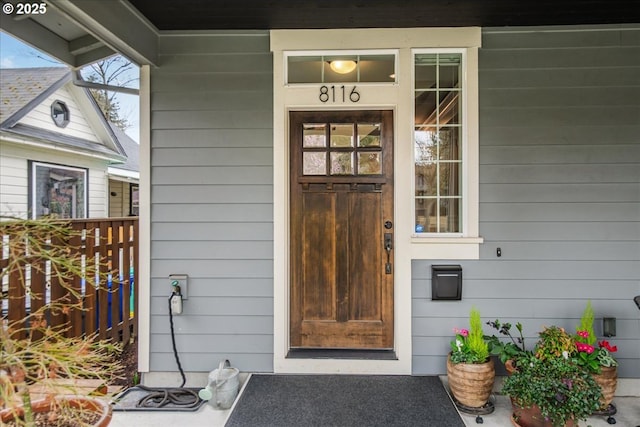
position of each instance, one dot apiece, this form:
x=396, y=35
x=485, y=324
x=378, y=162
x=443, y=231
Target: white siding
x=78, y=126
x=14, y=175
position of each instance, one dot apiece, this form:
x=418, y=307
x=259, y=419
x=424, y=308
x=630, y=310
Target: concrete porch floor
x=628, y=415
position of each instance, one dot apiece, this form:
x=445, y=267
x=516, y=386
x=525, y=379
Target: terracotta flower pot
x=607, y=379
x=471, y=383
x=80, y=402
x=510, y=366
x=531, y=417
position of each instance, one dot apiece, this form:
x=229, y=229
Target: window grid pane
x=350, y=149
x=437, y=143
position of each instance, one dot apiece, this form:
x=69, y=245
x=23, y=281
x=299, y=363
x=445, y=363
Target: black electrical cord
x=178, y=397
x=173, y=338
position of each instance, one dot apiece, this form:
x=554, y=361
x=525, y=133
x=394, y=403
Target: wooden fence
x=107, y=308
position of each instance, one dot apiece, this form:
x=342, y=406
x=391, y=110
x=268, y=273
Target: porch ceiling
x=315, y=14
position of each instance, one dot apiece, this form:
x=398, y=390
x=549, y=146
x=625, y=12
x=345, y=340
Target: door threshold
x=321, y=353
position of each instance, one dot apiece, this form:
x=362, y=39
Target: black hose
x=178, y=397
x=160, y=397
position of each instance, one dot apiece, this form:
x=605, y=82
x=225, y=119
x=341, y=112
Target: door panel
x=341, y=196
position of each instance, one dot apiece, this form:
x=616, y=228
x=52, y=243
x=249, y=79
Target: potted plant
x=470, y=370
x=509, y=352
x=35, y=355
x=549, y=388
x=599, y=361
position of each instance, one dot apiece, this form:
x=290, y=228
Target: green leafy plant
x=605, y=356
x=561, y=389
x=554, y=342
x=554, y=379
x=470, y=346
x=514, y=349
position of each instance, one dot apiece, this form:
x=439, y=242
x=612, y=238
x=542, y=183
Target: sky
x=15, y=54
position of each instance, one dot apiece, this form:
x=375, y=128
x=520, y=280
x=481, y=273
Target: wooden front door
x=341, y=230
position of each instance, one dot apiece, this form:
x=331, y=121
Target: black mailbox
x=446, y=282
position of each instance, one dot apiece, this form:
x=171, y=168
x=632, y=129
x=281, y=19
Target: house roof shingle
x=20, y=86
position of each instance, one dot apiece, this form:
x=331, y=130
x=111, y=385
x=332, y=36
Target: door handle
x=388, y=245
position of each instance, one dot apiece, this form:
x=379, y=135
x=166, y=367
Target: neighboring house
x=124, y=179
x=308, y=204
x=56, y=148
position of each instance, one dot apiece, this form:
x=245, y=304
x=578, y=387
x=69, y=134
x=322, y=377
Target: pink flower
x=462, y=332
x=585, y=348
x=583, y=334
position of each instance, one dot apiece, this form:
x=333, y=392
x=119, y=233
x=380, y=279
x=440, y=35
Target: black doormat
x=343, y=400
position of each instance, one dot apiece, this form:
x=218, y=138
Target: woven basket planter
x=607, y=379
x=471, y=383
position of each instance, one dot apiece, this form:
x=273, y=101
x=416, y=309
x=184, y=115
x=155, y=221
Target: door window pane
x=368, y=134
x=370, y=163
x=341, y=135
x=341, y=163
x=314, y=135
x=314, y=163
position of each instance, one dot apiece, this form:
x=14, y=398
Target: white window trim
x=32, y=185
x=464, y=245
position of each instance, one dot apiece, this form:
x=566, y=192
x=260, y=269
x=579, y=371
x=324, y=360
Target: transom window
x=333, y=149
x=438, y=142
x=341, y=68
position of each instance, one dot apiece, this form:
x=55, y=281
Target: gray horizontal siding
x=223, y=212
x=212, y=203
x=566, y=133
x=559, y=192
x=208, y=138
x=218, y=325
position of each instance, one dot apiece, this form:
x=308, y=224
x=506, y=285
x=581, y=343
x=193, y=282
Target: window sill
x=449, y=247
x=431, y=239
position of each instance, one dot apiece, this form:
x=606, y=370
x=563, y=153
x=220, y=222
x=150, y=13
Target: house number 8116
x=328, y=93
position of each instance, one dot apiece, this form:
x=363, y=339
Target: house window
x=438, y=142
x=57, y=191
x=60, y=113
x=134, y=199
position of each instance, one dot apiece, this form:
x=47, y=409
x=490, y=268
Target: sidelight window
x=438, y=130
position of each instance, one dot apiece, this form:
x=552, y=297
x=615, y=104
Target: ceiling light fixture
x=343, y=67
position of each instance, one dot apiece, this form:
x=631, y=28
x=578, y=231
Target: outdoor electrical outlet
x=179, y=280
